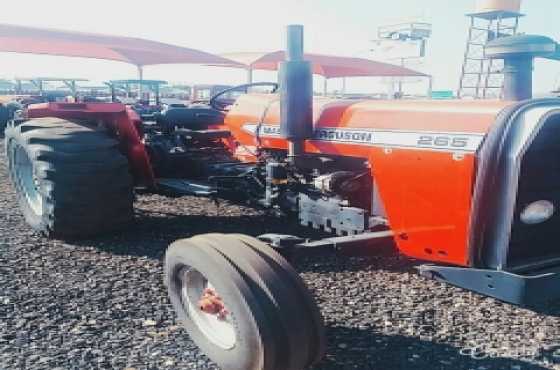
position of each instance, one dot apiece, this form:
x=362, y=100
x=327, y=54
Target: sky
x=339, y=27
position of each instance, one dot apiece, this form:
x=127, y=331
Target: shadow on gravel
x=153, y=231
x=364, y=349
x=550, y=309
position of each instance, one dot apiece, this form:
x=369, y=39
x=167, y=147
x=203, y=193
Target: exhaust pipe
x=518, y=53
x=296, y=94
x=518, y=78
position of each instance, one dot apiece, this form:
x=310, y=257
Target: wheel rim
x=26, y=181
x=219, y=331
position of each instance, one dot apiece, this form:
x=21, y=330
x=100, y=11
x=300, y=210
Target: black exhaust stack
x=296, y=94
x=518, y=53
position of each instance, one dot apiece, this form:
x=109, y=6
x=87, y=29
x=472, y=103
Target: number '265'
x=443, y=141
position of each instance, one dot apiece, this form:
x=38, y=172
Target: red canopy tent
x=328, y=66
x=140, y=52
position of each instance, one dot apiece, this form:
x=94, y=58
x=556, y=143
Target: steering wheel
x=222, y=106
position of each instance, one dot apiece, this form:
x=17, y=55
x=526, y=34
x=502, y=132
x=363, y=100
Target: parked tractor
x=33, y=90
x=471, y=187
x=143, y=95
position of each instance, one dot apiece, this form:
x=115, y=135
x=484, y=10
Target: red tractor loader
x=471, y=187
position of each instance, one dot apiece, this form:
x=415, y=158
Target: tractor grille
x=539, y=179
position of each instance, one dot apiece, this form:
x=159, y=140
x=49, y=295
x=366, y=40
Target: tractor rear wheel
x=71, y=180
x=270, y=302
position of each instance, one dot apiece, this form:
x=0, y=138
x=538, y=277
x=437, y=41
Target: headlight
x=537, y=212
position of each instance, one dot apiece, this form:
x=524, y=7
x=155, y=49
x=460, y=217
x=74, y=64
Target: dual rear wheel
x=263, y=316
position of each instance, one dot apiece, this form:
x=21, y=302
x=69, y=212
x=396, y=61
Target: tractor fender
x=119, y=118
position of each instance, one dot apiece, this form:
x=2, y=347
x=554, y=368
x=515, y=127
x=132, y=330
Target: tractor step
x=180, y=187
x=529, y=289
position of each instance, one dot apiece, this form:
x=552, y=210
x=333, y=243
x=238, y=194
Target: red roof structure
x=328, y=66
x=140, y=52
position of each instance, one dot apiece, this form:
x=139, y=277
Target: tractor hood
x=422, y=155
x=255, y=120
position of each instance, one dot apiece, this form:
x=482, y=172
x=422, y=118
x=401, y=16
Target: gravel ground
x=101, y=304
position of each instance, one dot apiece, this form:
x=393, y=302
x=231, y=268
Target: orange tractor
x=471, y=187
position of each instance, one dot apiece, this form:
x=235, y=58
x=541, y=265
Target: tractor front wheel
x=242, y=304
x=71, y=181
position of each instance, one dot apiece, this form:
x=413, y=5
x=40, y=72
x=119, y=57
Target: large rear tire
x=272, y=300
x=71, y=180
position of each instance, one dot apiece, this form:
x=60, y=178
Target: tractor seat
x=195, y=118
x=203, y=134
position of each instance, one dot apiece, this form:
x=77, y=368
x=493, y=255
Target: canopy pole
x=250, y=75
x=73, y=88
x=40, y=86
x=430, y=86
x=141, y=78
x=157, y=94
x=391, y=88
x=400, y=95
x=325, y=86
x=113, y=95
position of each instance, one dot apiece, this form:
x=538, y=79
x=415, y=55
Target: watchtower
x=482, y=77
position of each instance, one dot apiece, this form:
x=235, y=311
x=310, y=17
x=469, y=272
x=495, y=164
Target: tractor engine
x=330, y=194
